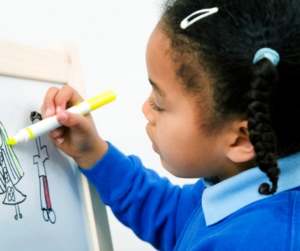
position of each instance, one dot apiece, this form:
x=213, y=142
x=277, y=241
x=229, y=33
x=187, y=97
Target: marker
x=46, y=125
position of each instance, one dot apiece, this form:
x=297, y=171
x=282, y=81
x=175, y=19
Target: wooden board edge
x=30, y=62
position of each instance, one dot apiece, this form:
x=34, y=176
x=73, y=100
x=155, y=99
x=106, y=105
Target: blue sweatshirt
x=208, y=215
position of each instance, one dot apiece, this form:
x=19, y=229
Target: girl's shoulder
x=268, y=224
x=276, y=218
x=278, y=207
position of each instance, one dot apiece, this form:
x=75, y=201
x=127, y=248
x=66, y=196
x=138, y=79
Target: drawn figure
x=40, y=160
x=10, y=174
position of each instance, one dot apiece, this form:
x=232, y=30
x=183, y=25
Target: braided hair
x=259, y=121
x=223, y=45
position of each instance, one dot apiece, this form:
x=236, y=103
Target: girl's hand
x=78, y=138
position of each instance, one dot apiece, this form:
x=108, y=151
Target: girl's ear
x=240, y=148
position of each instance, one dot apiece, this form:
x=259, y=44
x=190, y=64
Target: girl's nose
x=148, y=112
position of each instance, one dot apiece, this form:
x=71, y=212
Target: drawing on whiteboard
x=40, y=160
x=10, y=174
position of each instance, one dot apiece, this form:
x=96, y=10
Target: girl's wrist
x=88, y=159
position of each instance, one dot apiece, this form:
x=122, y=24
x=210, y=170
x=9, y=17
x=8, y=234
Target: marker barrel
x=51, y=123
x=46, y=125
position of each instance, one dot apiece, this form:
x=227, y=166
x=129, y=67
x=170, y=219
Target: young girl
x=224, y=107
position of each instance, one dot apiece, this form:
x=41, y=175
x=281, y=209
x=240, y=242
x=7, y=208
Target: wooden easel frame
x=60, y=64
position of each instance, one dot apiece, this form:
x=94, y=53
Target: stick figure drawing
x=39, y=160
x=10, y=174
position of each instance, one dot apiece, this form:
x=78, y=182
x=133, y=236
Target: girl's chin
x=169, y=169
x=179, y=173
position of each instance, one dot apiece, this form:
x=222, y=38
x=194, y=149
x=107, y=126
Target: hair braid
x=263, y=139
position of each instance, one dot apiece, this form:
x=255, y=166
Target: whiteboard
x=42, y=201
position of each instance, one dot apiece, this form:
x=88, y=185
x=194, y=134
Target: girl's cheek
x=164, y=140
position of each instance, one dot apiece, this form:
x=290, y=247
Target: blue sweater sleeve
x=150, y=205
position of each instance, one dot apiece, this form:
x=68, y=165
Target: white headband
x=185, y=23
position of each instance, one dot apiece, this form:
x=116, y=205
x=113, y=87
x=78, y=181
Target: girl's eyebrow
x=157, y=89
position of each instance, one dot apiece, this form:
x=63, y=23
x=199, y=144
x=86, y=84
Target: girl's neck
x=235, y=169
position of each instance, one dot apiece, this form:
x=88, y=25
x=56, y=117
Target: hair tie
x=186, y=23
x=268, y=53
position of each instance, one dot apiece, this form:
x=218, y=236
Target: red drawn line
x=46, y=190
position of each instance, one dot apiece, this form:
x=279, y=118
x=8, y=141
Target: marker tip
x=12, y=141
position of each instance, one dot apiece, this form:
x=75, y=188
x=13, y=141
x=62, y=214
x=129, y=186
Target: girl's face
x=173, y=126
x=173, y=118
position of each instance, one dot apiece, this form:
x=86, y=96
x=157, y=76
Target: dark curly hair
x=223, y=46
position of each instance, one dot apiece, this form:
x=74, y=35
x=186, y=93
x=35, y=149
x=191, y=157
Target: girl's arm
x=151, y=206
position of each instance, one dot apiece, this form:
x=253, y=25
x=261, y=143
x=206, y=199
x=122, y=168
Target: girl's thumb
x=76, y=122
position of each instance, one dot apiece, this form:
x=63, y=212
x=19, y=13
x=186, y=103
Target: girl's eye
x=154, y=106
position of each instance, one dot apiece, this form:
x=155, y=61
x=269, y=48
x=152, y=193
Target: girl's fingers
x=59, y=140
x=55, y=102
x=48, y=108
x=59, y=132
x=76, y=122
x=43, y=111
x=66, y=97
x=59, y=99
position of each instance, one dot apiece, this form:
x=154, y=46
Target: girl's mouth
x=155, y=148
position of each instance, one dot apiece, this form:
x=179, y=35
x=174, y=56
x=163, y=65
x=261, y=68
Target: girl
x=223, y=107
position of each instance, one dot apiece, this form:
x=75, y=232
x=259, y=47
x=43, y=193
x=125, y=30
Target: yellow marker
x=46, y=125
x=101, y=100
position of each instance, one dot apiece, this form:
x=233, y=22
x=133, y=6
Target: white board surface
x=26, y=224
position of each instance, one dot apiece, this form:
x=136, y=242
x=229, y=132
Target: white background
x=111, y=37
